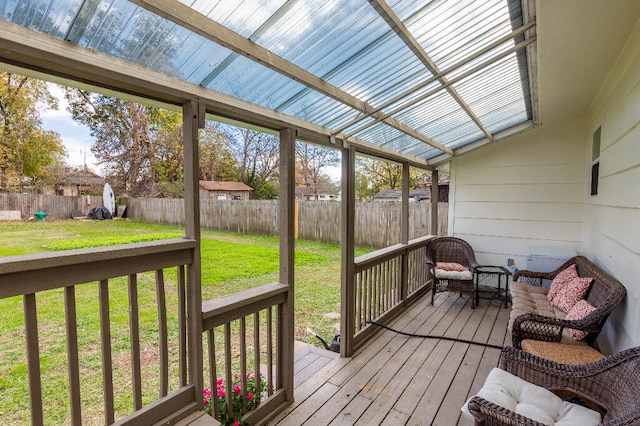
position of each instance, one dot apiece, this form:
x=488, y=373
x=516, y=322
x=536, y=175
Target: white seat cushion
x=532, y=401
x=453, y=275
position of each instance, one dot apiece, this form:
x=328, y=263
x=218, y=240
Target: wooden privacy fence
x=56, y=206
x=377, y=224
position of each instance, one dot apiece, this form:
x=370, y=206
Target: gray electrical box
x=546, y=259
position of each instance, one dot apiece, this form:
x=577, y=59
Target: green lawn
x=230, y=263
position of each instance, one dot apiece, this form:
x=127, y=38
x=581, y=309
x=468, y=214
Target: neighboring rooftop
x=212, y=185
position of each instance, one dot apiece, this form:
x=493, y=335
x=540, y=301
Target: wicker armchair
x=610, y=386
x=604, y=294
x=451, y=249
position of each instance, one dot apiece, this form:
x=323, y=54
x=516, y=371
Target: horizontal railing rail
x=385, y=282
x=149, y=280
x=245, y=368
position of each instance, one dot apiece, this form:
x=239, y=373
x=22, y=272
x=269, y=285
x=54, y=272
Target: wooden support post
x=286, y=231
x=435, y=196
x=404, y=232
x=192, y=119
x=347, y=245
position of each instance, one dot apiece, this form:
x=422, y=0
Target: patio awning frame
x=37, y=53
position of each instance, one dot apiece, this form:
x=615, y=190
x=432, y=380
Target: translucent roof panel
x=496, y=93
x=345, y=66
x=49, y=17
x=244, y=17
x=451, y=30
x=129, y=32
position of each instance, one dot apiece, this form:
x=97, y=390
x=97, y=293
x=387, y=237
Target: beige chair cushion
x=532, y=401
x=453, y=275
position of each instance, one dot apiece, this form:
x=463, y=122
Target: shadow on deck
x=400, y=380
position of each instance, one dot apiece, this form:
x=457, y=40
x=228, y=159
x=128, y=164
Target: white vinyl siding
x=522, y=192
x=612, y=218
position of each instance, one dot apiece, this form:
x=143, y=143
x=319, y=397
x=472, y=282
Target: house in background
x=79, y=182
x=214, y=190
x=308, y=194
x=395, y=195
x=423, y=194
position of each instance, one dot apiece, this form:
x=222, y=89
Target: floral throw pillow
x=579, y=311
x=560, y=280
x=450, y=266
x=571, y=293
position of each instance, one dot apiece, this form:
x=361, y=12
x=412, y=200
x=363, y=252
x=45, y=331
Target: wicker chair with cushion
x=607, y=390
x=452, y=263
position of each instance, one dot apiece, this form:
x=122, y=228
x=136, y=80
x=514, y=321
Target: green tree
x=26, y=150
x=373, y=175
x=216, y=160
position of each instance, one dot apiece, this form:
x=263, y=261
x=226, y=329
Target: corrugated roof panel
x=320, y=109
x=129, y=32
x=48, y=17
x=347, y=44
x=450, y=31
x=495, y=91
x=265, y=87
x=256, y=83
x=242, y=16
x=436, y=117
x=388, y=137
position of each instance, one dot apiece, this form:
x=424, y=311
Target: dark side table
x=491, y=270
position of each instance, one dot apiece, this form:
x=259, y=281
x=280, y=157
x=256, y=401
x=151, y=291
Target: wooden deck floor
x=397, y=380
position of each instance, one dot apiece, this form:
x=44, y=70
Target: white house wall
x=522, y=192
x=612, y=218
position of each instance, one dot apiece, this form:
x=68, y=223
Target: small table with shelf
x=499, y=271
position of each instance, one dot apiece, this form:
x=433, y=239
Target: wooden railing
x=152, y=270
x=246, y=350
x=385, y=282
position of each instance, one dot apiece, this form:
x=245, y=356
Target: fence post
x=296, y=219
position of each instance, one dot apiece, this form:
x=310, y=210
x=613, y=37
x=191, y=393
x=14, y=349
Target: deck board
x=396, y=379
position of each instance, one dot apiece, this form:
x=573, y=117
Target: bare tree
x=258, y=159
x=311, y=160
x=139, y=147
